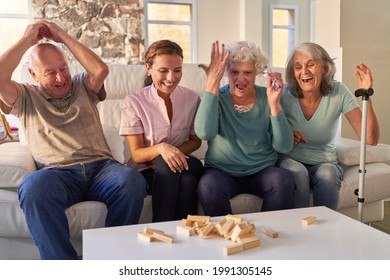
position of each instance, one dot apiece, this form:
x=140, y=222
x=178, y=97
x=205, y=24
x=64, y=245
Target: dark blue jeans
x=216, y=187
x=45, y=194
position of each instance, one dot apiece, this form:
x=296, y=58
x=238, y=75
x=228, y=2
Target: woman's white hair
x=244, y=51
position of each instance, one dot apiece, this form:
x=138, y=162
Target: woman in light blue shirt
x=313, y=103
x=245, y=127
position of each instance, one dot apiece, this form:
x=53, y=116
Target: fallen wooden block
x=240, y=229
x=219, y=226
x=198, y=225
x=163, y=237
x=206, y=230
x=187, y=231
x=145, y=237
x=240, y=238
x=196, y=218
x=234, y=248
x=151, y=231
x=308, y=220
x=270, y=232
x=245, y=244
x=236, y=219
x=227, y=228
x=186, y=223
x=250, y=242
x=154, y=234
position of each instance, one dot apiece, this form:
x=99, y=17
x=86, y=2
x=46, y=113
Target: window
x=14, y=18
x=173, y=20
x=283, y=33
x=286, y=24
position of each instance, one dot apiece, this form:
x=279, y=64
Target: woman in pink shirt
x=158, y=122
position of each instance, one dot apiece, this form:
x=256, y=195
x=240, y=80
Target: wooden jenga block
x=270, y=232
x=250, y=242
x=308, y=220
x=163, y=237
x=187, y=231
x=199, y=224
x=158, y=234
x=240, y=229
x=196, y=218
x=236, y=219
x=145, y=237
x=244, y=236
x=227, y=227
x=232, y=249
x=186, y=223
x=219, y=226
x=206, y=230
x=150, y=231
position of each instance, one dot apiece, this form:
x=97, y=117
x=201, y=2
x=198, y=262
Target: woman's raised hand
x=366, y=80
x=216, y=69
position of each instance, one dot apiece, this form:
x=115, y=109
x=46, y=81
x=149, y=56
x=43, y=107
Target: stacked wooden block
x=235, y=228
x=231, y=227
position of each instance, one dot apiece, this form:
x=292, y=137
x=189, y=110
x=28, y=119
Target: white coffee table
x=333, y=237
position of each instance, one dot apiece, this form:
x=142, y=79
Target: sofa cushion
x=376, y=181
x=16, y=163
x=83, y=215
x=115, y=142
x=348, y=152
x=12, y=223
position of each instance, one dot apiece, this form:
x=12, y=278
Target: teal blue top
x=321, y=129
x=241, y=143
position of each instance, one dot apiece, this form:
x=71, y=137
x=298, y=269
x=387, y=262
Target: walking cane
x=365, y=94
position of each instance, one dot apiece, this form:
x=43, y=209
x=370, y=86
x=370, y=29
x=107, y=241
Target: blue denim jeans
x=45, y=194
x=275, y=185
x=324, y=179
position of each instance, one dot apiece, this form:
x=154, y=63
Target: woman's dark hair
x=159, y=48
x=318, y=54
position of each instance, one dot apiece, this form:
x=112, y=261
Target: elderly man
x=64, y=133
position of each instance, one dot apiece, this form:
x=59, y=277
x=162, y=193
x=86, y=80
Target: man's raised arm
x=11, y=59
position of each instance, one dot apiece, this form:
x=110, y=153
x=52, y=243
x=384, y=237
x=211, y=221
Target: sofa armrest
x=348, y=152
x=16, y=163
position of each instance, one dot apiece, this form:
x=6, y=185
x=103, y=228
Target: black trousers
x=174, y=195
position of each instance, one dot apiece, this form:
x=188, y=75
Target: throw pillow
x=348, y=152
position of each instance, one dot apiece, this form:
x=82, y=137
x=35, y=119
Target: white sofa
x=16, y=162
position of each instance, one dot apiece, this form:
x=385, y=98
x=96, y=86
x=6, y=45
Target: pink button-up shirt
x=144, y=112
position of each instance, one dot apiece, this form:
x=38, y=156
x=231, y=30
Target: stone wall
x=111, y=28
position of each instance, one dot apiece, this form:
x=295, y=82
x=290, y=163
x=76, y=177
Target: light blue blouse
x=321, y=129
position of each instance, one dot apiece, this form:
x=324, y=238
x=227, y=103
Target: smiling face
x=308, y=73
x=50, y=70
x=242, y=76
x=166, y=72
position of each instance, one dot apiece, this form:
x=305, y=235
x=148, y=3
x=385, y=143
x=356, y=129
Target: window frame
x=12, y=120
x=272, y=27
x=192, y=24
x=27, y=16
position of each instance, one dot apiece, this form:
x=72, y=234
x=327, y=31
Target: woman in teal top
x=313, y=103
x=245, y=128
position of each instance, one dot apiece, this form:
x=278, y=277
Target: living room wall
x=112, y=28
x=360, y=33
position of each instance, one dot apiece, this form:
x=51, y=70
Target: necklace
x=243, y=108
